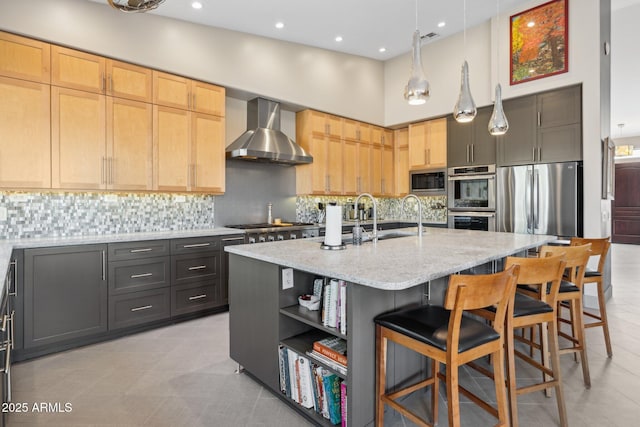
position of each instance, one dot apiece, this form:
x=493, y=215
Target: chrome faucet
x=419, y=210
x=374, y=236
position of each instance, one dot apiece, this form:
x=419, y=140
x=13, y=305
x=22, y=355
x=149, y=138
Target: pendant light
x=417, y=90
x=465, y=109
x=498, y=124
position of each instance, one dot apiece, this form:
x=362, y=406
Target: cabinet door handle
x=429, y=155
x=534, y=153
x=194, y=102
x=135, y=251
x=197, y=297
x=197, y=267
x=468, y=161
x=14, y=264
x=144, y=307
x=103, y=79
x=473, y=153
x=104, y=266
x=196, y=245
x=138, y=276
x=111, y=82
x=539, y=154
x=539, y=119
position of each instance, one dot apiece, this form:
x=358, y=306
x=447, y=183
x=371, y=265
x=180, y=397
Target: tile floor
x=181, y=375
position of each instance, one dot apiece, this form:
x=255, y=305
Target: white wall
x=343, y=84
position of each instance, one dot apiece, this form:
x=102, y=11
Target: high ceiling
x=365, y=26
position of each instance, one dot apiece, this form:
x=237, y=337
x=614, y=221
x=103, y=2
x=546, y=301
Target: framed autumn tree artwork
x=540, y=42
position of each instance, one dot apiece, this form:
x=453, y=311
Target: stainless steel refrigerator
x=540, y=199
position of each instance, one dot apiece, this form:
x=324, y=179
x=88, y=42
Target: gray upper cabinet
x=543, y=128
x=471, y=143
x=65, y=294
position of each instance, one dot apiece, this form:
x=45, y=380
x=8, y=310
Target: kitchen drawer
x=137, y=308
x=191, y=268
x=139, y=275
x=137, y=250
x=196, y=244
x=194, y=297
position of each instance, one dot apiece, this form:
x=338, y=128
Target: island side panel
x=253, y=317
x=363, y=305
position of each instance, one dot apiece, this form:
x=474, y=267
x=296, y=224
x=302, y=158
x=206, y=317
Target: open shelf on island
x=311, y=318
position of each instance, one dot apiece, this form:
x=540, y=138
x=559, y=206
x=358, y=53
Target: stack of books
x=334, y=305
x=312, y=386
x=332, y=351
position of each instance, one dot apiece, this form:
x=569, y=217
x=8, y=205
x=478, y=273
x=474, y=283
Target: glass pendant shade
x=498, y=124
x=417, y=89
x=465, y=109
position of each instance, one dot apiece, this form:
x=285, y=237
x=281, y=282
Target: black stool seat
x=524, y=305
x=591, y=273
x=429, y=324
x=565, y=286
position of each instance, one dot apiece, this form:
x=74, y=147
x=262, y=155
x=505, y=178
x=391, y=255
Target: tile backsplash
x=433, y=207
x=76, y=214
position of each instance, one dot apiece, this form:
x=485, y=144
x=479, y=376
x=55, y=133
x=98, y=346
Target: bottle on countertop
x=270, y=213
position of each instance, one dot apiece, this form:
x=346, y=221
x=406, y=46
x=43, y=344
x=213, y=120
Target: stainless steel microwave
x=429, y=182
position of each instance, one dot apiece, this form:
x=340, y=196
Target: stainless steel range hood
x=263, y=140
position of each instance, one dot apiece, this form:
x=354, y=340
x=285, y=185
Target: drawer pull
x=233, y=239
x=196, y=245
x=144, y=307
x=193, y=298
x=137, y=276
x=197, y=267
x=135, y=251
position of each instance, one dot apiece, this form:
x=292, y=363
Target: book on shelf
x=343, y=403
x=334, y=348
x=292, y=358
x=343, y=307
x=331, y=384
x=334, y=304
x=328, y=362
x=283, y=359
x=306, y=391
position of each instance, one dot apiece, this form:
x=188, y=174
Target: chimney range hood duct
x=263, y=140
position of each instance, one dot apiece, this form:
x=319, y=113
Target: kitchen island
x=383, y=276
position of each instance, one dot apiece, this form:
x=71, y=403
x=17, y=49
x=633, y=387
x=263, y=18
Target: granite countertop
x=398, y=263
x=7, y=246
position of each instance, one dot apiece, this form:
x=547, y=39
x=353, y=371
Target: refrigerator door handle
x=527, y=200
x=536, y=204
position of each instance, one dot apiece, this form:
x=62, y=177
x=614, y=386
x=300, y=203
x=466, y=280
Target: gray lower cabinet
x=237, y=239
x=139, y=283
x=65, y=294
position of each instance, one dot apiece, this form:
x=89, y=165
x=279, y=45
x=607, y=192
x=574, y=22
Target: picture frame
x=608, y=169
x=539, y=42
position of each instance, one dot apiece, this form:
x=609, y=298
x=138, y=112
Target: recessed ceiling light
x=441, y=24
x=279, y=25
x=382, y=49
x=339, y=38
x=531, y=24
x=196, y=5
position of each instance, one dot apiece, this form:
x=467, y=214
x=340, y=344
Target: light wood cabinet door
x=316, y=121
x=334, y=166
x=25, y=143
x=350, y=130
x=350, y=163
x=171, y=142
x=207, y=98
x=77, y=70
x=364, y=168
x=24, y=58
x=387, y=188
x=170, y=90
x=316, y=182
x=207, y=153
x=401, y=162
x=129, y=144
x=418, y=145
x=377, y=135
x=78, y=148
x=388, y=137
x=334, y=126
x=129, y=81
x=376, y=170
x=437, y=143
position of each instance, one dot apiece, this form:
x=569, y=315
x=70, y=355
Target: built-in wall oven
x=471, y=197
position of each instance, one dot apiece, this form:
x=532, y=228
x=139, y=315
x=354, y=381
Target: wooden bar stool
x=599, y=248
x=446, y=335
x=570, y=291
x=529, y=312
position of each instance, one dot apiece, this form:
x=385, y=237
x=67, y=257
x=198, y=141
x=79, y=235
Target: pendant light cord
x=498, y=40
x=416, y=14
x=465, y=28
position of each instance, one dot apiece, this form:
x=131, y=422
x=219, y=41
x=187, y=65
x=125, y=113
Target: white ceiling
x=365, y=26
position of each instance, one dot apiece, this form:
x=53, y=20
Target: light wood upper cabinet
x=381, y=136
x=25, y=148
x=78, y=139
x=351, y=166
x=428, y=144
x=170, y=90
x=77, y=70
x=364, y=168
x=171, y=143
x=129, y=81
x=350, y=129
x=24, y=58
x=382, y=170
x=207, y=153
x=388, y=188
x=179, y=92
x=401, y=161
x=129, y=144
x=334, y=166
x=188, y=151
